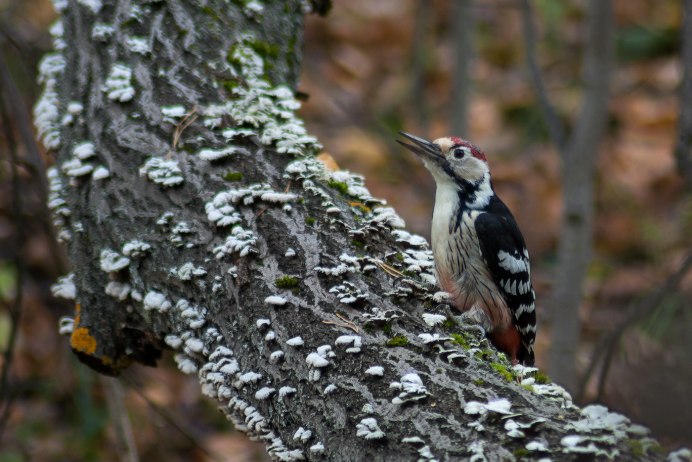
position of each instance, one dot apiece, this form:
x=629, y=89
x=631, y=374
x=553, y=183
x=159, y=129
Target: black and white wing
x=504, y=252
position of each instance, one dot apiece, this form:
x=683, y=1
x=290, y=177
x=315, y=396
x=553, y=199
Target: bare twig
x=170, y=418
x=16, y=308
x=644, y=307
x=22, y=121
x=549, y=114
x=189, y=118
x=118, y=412
x=343, y=322
x=390, y=269
x=33, y=160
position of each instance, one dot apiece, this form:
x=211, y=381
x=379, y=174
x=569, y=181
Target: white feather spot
x=511, y=263
x=524, y=309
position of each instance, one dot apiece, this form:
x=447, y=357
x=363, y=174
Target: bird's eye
x=459, y=153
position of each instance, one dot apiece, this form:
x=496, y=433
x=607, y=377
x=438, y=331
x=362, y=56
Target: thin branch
x=189, y=118
x=343, y=322
x=606, y=346
x=16, y=309
x=642, y=309
x=115, y=397
x=169, y=417
x=22, y=121
x=550, y=116
x=33, y=160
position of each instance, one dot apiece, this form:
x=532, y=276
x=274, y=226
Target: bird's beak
x=422, y=148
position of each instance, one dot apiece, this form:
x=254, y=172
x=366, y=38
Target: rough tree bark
x=198, y=220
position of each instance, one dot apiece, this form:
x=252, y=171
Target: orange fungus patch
x=81, y=340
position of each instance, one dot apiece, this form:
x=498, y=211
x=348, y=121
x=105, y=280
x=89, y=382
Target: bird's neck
x=473, y=194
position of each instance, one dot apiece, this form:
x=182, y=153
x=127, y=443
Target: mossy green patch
x=310, y=221
x=338, y=185
x=460, y=340
x=484, y=354
x=399, y=256
x=230, y=58
x=636, y=447
x=521, y=452
x=230, y=85
x=369, y=327
x=528, y=387
x=387, y=328
x=541, y=377
x=357, y=243
x=654, y=447
x=503, y=371
x=232, y=176
x=286, y=282
x=397, y=341
x=449, y=323
x=479, y=382
x=266, y=49
x=211, y=12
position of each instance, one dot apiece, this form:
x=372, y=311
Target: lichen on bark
x=213, y=199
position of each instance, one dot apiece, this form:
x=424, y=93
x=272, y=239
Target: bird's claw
x=474, y=319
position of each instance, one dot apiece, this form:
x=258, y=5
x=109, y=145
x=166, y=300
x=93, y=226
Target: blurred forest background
x=432, y=68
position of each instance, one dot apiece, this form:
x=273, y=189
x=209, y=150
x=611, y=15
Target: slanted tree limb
x=14, y=307
x=550, y=116
x=198, y=220
x=605, y=351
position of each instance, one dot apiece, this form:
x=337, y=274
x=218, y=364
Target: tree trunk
x=198, y=220
x=579, y=159
x=420, y=51
x=683, y=146
x=462, y=24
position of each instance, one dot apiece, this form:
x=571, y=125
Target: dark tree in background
x=197, y=219
x=684, y=141
x=201, y=226
x=579, y=151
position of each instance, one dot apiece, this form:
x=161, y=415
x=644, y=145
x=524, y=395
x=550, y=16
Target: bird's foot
x=474, y=319
x=418, y=285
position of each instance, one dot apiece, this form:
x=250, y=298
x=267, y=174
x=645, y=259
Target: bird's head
x=450, y=159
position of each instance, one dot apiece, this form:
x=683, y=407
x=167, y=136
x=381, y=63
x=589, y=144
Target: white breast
x=460, y=268
x=446, y=199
